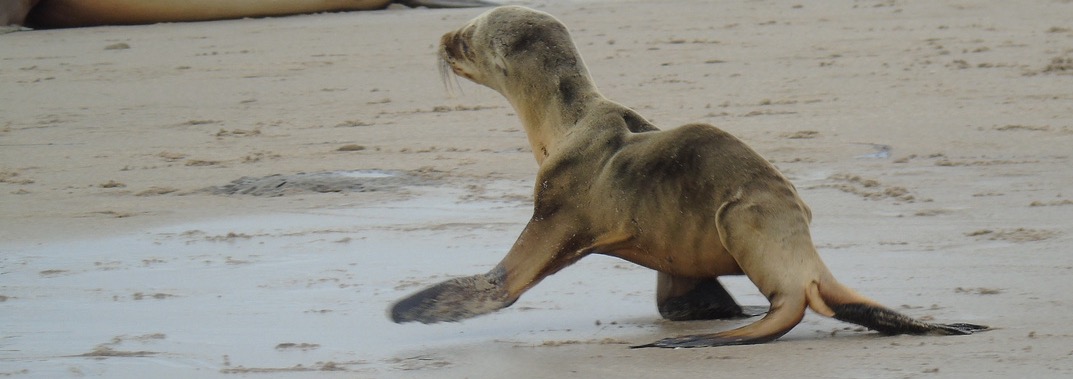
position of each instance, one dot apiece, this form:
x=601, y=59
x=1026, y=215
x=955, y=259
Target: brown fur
x=693, y=203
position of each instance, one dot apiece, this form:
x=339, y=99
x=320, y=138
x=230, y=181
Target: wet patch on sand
x=326, y=182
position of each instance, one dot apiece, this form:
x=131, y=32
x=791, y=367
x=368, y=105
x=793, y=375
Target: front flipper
x=454, y=300
x=545, y=246
x=683, y=299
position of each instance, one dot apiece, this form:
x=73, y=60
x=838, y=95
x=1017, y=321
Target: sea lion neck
x=548, y=109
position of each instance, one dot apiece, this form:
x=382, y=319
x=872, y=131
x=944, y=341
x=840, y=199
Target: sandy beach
x=246, y=198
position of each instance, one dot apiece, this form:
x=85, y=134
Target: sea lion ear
x=499, y=53
x=500, y=63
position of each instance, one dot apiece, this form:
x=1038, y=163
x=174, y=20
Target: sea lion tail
x=832, y=299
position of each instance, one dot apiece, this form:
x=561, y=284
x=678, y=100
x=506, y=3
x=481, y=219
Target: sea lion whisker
x=447, y=76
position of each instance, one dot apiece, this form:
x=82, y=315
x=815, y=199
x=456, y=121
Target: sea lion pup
x=693, y=203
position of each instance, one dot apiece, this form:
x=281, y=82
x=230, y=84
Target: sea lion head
x=510, y=47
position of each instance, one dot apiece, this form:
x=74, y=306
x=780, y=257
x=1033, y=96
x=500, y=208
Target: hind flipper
x=784, y=314
x=889, y=322
x=700, y=340
x=682, y=298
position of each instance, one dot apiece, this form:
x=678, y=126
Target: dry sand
x=931, y=138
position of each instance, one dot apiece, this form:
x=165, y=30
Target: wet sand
x=248, y=197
